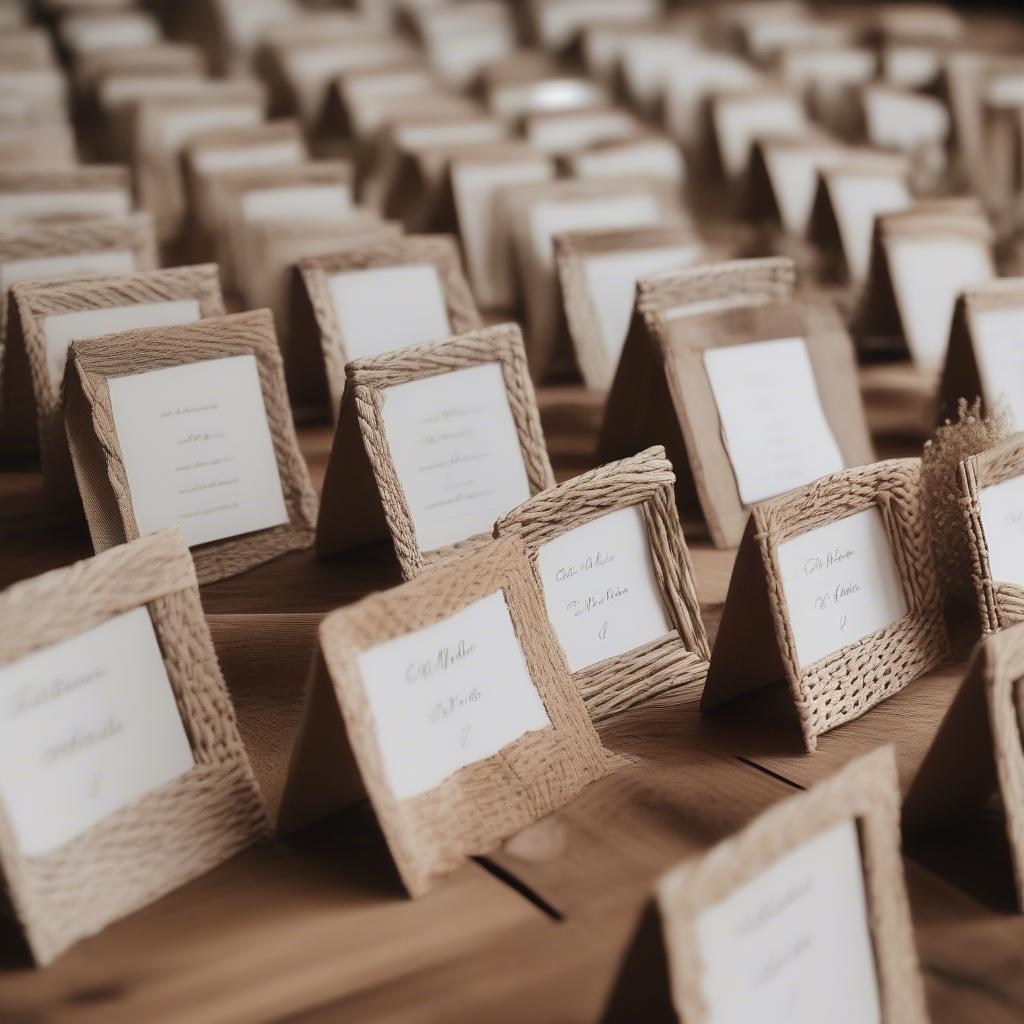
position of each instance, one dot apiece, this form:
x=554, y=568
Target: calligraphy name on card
x=618, y=586
x=800, y=917
x=835, y=591
x=193, y=424
x=122, y=774
x=352, y=298
x=452, y=695
x=433, y=443
x=49, y=314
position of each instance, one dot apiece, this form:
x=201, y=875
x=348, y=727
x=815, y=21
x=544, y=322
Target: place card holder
x=667, y=394
x=96, y=450
x=324, y=362
x=38, y=195
x=907, y=307
x=341, y=751
x=756, y=643
x=364, y=498
x=32, y=416
x=645, y=483
x=590, y=285
x=977, y=752
x=173, y=833
x=662, y=977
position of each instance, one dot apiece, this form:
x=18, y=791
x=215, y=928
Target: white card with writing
x=197, y=449
x=457, y=453
x=87, y=726
x=449, y=695
x=773, y=425
x=600, y=589
x=16, y=207
x=857, y=200
x=1002, y=516
x=297, y=202
x=740, y=120
x=841, y=584
x=60, y=329
x=999, y=352
x=927, y=276
x=386, y=308
x=611, y=284
x=793, y=945
x=40, y=268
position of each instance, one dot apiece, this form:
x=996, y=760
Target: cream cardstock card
x=841, y=584
x=60, y=329
x=857, y=200
x=999, y=352
x=611, y=281
x=457, y=452
x=197, y=449
x=23, y=205
x=296, y=202
x=793, y=944
x=740, y=119
x=449, y=695
x=773, y=425
x=39, y=268
x=1002, y=515
x=385, y=308
x=600, y=589
x=87, y=726
x=927, y=276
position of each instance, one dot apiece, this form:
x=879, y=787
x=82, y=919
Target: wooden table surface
x=316, y=927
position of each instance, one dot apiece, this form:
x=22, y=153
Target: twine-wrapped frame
x=662, y=665
x=477, y=806
x=173, y=833
x=439, y=251
x=866, y=792
x=363, y=497
x=572, y=250
x=98, y=460
x=34, y=402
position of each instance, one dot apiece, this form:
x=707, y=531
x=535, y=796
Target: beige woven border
x=847, y=683
x=181, y=829
x=670, y=662
x=999, y=604
x=572, y=248
x=482, y=803
x=367, y=381
x=35, y=301
x=133, y=352
x=865, y=791
x=438, y=250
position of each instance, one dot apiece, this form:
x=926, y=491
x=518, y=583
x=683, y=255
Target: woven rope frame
x=572, y=248
x=132, y=352
x=75, y=179
x=663, y=665
x=847, y=683
x=1000, y=604
x=369, y=378
x=439, y=251
x=865, y=791
x=484, y=802
x=35, y=301
x=173, y=833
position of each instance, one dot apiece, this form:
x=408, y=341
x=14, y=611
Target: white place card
x=600, y=588
x=611, y=282
x=87, y=726
x=793, y=171
x=999, y=353
x=1002, y=516
x=905, y=120
x=197, y=449
x=21, y=206
x=40, y=268
x=857, y=200
x=449, y=695
x=387, y=308
x=658, y=158
x=296, y=202
x=457, y=452
x=841, y=584
x=740, y=120
x=210, y=159
x=690, y=83
x=793, y=945
x=928, y=274
x=60, y=329
x=773, y=425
